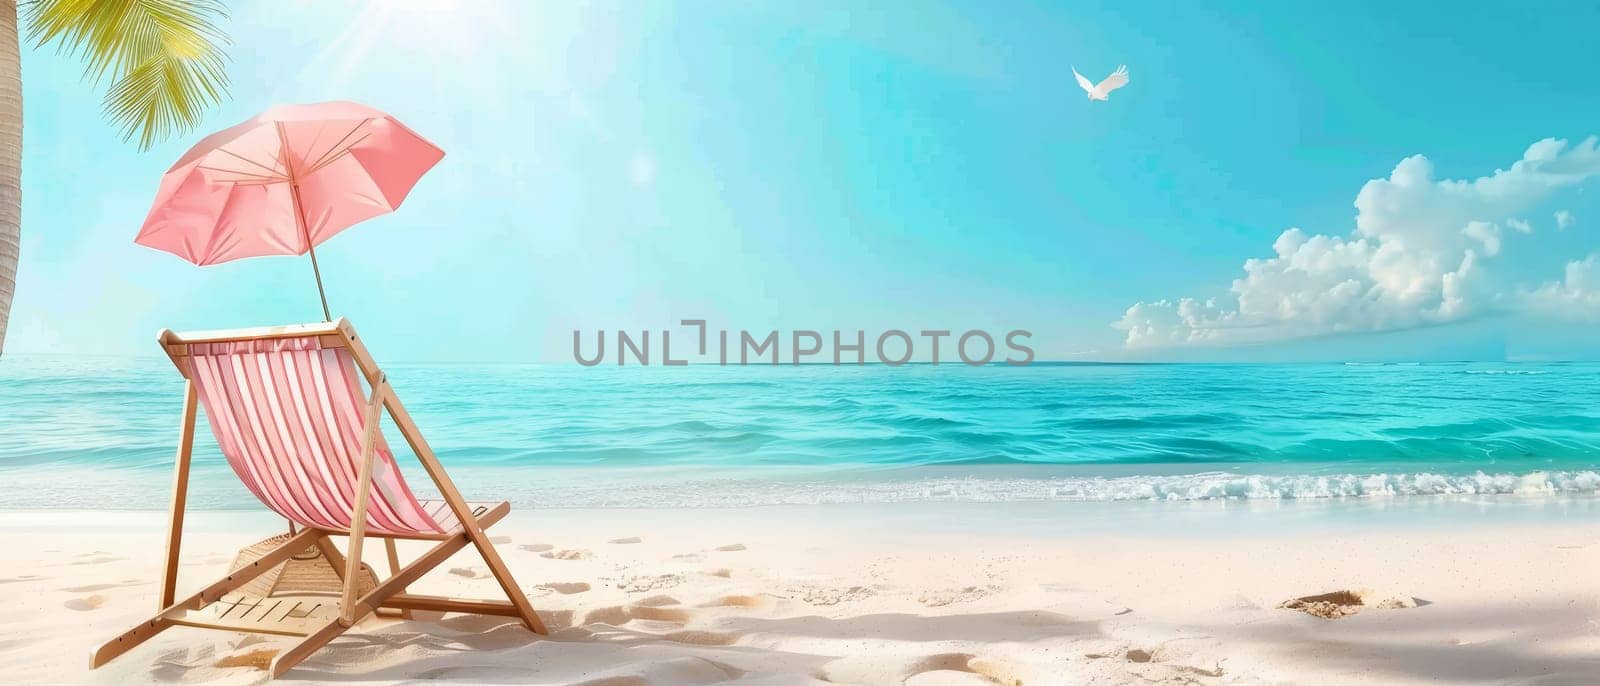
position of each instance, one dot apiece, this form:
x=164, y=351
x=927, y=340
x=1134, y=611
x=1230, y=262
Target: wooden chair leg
x=338, y=563
x=147, y=629
x=335, y=558
x=393, y=552
x=367, y=604
x=525, y=610
x=394, y=555
x=458, y=505
x=287, y=659
x=180, y=496
x=358, y=516
x=127, y=641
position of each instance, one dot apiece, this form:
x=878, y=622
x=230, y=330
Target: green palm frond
x=164, y=57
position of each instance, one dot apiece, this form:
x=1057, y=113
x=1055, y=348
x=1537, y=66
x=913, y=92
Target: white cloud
x=1422, y=253
x=1564, y=219
x=1577, y=296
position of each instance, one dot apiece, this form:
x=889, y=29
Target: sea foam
x=746, y=491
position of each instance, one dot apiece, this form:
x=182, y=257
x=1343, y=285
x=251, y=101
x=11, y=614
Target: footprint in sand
x=942, y=662
x=733, y=548
x=1215, y=671
x=951, y=596
x=260, y=658
x=499, y=540
x=941, y=669
x=566, y=587
x=680, y=670
x=536, y=547
x=1242, y=602
x=618, y=615
x=91, y=588
x=96, y=558
x=615, y=615
x=642, y=584
x=625, y=541
x=561, y=620
x=659, y=614
x=948, y=677
x=995, y=670
x=628, y=680
x=834, y=596
x=470, y=572
x=89, y=602
x=703, y=638
x=569, y=554
x=737, y=601
x=1142, y=656
x=723, y=572
x=1345, y=603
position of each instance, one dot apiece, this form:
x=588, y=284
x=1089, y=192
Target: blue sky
x=905, y=165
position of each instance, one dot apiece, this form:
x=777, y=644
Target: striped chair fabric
x=288, y=414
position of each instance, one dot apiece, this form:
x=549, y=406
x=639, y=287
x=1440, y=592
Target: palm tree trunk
x=10, y=160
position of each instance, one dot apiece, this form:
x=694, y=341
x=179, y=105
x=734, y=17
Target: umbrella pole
x=326, y=316
x=300, y=216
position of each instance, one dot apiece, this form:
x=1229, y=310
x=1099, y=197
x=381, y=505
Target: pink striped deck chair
x=289, y=410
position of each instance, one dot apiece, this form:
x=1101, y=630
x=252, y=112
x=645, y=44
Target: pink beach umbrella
x=284, y=182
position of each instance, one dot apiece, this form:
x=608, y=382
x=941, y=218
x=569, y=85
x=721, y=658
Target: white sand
x=796, y=596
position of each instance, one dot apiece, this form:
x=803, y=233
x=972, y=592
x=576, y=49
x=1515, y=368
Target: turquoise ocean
x=100, y=433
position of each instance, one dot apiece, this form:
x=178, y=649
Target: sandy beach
x=953, y=594
x=783, y=343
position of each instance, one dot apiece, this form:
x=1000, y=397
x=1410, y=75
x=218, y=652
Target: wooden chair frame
x=390, y=594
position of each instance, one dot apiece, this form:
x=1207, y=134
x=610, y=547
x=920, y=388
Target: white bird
x=1117, y=79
